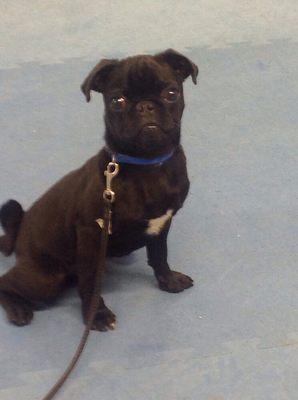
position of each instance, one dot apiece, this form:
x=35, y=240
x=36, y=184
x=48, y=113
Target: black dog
x=58, y=236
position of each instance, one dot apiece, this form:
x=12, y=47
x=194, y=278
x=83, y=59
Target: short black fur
x=58, y=238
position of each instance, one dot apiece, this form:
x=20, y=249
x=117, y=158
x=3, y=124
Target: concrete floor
x=234, y=335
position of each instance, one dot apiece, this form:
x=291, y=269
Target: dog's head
x=144, y=102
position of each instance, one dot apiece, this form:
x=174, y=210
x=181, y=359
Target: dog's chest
x=145, y=203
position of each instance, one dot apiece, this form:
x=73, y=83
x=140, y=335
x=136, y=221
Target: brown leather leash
x=106, y=230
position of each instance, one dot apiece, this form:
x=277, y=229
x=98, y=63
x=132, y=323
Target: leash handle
x=109, y=198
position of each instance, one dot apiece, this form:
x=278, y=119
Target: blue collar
x=125, y=159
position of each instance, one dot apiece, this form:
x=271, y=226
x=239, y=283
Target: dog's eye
x=118, y=103
x=170, y=95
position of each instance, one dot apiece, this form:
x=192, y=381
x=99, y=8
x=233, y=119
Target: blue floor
x=234, y=335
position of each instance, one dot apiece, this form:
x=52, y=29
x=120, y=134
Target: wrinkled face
x=144, y=105
x=143, y=98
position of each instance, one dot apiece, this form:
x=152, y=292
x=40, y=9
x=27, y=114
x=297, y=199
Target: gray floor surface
x=234, y=335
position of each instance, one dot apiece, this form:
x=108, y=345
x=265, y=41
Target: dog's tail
x=11, y=215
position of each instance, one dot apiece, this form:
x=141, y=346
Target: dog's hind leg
x=26, y=285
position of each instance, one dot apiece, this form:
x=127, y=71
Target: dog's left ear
x=98, y=77
x=180, y=64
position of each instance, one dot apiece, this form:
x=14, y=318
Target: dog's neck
x=127, y=159
x=133, y=152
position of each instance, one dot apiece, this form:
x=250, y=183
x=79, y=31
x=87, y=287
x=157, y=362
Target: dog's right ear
x=97, y=77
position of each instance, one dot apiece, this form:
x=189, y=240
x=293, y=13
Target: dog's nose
x=145, y=107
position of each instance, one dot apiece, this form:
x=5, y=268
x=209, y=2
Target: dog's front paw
x=104, y=320
x=175, y=282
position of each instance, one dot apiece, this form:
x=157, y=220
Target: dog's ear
x=97, y=77
x=180, y=64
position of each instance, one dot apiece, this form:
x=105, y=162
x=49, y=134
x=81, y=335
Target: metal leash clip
x=110, y=173
x=108, y=194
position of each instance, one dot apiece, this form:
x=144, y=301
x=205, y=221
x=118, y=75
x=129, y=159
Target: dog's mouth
x=150, y=125
x=151, y=128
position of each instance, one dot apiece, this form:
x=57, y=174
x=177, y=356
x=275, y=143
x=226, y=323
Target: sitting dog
x=58, y=237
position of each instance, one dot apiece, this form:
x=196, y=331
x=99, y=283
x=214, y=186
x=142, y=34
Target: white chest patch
x=156, y=225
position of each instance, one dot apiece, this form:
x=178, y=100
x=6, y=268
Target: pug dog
x=59, y=238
